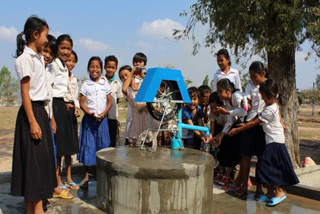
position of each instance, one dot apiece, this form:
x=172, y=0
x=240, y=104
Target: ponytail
x=32, y=25
x=20, y=44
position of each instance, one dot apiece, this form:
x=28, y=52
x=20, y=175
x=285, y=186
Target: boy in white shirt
x=111, y=65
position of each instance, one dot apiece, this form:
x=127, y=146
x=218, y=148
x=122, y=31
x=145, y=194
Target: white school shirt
x=235, y=110
x=232, y=75
x=60, y=78
x=271, y=124
x=257, y=103
x=221, y=119
x=115, y=95
x=49, y=83
x=73, y=91
x=96, y=94
x=30, y=64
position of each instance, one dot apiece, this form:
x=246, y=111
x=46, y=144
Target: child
x=66, y=146
x=252, y=140
x=226, y=71
x=124, y=72
x=94, y=133
x=274, y=167
x=50, y=53
x=232, y=98
x=205, y=92
x=33, y=159
x=111, y=66
x=192, y=114
x=73, y=111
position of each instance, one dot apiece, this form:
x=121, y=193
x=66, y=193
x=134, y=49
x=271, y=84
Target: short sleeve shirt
x=232, y=75
x=115, y=95
x=271, y=124
x=31, y=64
x=257, y=103
x=96, y=94
x=188, y=115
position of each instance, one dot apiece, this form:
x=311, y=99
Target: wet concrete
x=137, y=181
x=85, y=202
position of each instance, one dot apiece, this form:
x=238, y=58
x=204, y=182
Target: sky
x=123, y=28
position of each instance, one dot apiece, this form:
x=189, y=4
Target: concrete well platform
x=130, y=180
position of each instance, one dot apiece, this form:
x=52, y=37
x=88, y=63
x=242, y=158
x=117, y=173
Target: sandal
x=72, y=186
x=84, y=184
x=63, y=194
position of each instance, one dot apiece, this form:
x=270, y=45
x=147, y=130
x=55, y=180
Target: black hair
x=64, y=37
x=140, y=57
x=95, y=58
x=193, y=91
x=269, y=88
x=226, y=84
x=75, y=56
x=32, y=25
x=225, y=53
x=52, y=44
x=204, y=89
x=125, y=67
x=258, y=68
x=110, y=58
x=214, y=98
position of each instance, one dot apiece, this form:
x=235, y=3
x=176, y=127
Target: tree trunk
x=281, y=67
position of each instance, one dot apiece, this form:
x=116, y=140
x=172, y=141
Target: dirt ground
x=308, y=127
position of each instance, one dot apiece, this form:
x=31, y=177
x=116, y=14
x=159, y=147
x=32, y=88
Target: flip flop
x=262, y=198
x=63, y=194
x=275, y=201
x=72, y=185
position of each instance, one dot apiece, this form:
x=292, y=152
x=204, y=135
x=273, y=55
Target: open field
x=309, y=133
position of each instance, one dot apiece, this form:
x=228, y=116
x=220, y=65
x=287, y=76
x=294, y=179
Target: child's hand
x=233, y=132
x=207, y=139
x=248, y=104
x=222, y=110
x=101, y=116
x=77, y=112
x=69, y=106
x=54, y=126
x=35, y=131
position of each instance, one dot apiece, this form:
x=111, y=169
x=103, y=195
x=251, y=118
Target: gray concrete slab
x=223, y=202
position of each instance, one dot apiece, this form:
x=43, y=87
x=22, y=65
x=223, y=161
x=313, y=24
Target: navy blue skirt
x=94, y=136
x=274, y=166
x=253, y=142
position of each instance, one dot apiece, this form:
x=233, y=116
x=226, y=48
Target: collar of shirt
x=33, y=53
x=230, y=71
x=112, y=79
x=101, y=81
x=60, y=65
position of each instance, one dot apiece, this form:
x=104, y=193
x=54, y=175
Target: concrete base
x=130, y=180
x=309, y=176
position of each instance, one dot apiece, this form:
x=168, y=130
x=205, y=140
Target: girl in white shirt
x=33, y=166
x=252, y=140
x=274, y=168
x=65, y=144
x=225, y=71
x=234, y=111
x=94, y=132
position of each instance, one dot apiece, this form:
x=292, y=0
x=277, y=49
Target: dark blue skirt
x=229, y=149
x=253, y=142
x=274, y=167
x=94, y=136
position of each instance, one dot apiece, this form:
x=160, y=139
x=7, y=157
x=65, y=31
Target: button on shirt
x=60, y=79
x=232, y=75
x=96, y=94
x=115, y=95
x=30, y=64
x=257, y=103
x=272, y=127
